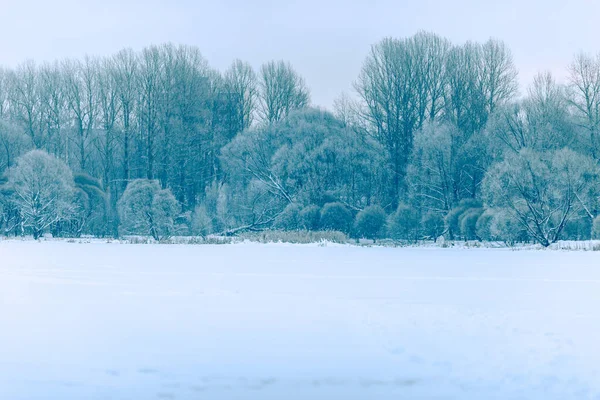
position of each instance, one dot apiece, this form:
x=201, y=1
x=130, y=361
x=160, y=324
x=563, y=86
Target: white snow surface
x=258, y=321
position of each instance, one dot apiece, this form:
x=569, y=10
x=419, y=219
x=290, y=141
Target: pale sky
x=326, y=41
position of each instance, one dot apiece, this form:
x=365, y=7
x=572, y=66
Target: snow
x=259, y=321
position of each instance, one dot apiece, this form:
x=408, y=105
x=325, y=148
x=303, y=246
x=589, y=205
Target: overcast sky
x=326, y=41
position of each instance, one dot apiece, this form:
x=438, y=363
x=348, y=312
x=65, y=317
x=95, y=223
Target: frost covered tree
x=42, y=188
x=543, y=191
x=201, y=224
x=446, y=166
x=309, y=157
x=146, y=209
x=433, y=174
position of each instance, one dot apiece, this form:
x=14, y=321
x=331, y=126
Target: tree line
x=434, y=140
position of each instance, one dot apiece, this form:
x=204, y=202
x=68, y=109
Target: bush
x=183, y=224
x=578, y=228
x=499, y=224
x=310, y=218
x=468, y=223
x=432, y=224
x=91, y=213
x=201, y=223
x=596, y=228
x=289, y=218
x=484, y=224
x=336, y=217
x=145, y=209
x=404, y=224
x=454, y=215
x=165, y=208
x=370, y=222
x=10, y=215
x=507, y=228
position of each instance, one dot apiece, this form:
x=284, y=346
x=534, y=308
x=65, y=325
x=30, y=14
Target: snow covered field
x=255, y=321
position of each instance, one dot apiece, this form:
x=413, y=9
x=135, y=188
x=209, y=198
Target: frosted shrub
x=454, y=216
x=596, y=228
x=289, y=218
x=578, y=228
x=468, y=223
x=336, y=217
x=404, y=223
x=484, y=224
x=432, y=224
x=310, y=217
x=507, y=228
x=370, y=223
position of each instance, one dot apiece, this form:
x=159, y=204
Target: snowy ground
x=252, y=321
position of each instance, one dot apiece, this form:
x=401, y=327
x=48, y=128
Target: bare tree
x=548, y=115
x=13, y=141
x=281, y=91
x=125, y=71
x=430, y=53
x=509, y=127
x=499, y=74
x=80, y=89
x=109, y=108
x=187, y=114
x=540, y=121
x=585, y=96
x=54, y=109
x=25, y=100
x=241, y=89
x=348, y=110
x=465, y=102
x=4, y=82
x=150, y=97
x=386, y=86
